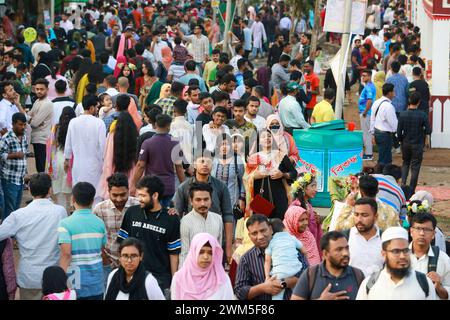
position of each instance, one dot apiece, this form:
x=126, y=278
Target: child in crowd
x=54, y=285
x=107, y=107
x=282, y=255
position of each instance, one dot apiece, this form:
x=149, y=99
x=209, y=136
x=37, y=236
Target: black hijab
x=135, y=288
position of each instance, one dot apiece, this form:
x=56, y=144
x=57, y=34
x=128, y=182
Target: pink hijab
x=120, y=60
x=195, y=283
x=121, y=49
x=290, y=221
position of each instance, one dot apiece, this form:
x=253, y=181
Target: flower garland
x=130, y=65
x=414, y=207
x=302, y=182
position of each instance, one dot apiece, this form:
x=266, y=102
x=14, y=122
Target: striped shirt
x=200, y=47
x=112, y=218
x=250, y=273
x=390, y=192
x=86, y=233
x=194, y=223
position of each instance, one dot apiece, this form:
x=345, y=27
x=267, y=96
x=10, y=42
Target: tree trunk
x=316, y=29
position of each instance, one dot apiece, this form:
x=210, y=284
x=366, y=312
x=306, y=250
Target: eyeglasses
x=396, y=252
x=425, y=230
x=131, y=257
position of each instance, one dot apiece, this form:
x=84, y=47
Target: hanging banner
x=334, y=16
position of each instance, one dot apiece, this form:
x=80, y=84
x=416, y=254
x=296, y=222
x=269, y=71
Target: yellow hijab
x=378, y=81
x=163, y=88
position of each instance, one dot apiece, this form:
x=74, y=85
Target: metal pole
x=227, y=27
x=342, y=62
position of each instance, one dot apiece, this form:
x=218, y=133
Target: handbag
x=237, y=212
x=261, y=205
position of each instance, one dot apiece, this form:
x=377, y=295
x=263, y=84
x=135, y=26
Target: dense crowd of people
x=167, y=168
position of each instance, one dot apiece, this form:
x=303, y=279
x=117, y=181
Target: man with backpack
x=333, y=279
x=397, y=280
x=427, y=258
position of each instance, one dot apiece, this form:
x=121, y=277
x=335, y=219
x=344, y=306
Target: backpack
x=312, y=276
x=421, y=278
x=432, y=261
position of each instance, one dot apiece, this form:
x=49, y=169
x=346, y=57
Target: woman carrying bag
x=268, y=174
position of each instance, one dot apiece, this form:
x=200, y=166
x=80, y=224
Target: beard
x=147, y=206
x=339, y=264
x=398, y=272
x=363, y=228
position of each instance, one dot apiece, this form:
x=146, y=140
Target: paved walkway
x=439, y=193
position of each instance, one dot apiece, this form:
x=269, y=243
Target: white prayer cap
x=394, y=233
x=423, y=195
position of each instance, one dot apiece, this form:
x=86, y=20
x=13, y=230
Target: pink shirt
x=51, y=87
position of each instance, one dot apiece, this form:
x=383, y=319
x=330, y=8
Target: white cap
x=386, y=26
x=394, y=233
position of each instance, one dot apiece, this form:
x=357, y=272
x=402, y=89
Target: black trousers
x=308, y=114
x=39, y=156
x=412, y=155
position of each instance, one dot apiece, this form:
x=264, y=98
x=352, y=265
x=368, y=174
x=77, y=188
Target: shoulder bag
x=260, y=204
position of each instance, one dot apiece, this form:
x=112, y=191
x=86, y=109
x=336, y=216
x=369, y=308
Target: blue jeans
x=255, y=51
x=106, y=271
x=12, y=197
x=384, y=143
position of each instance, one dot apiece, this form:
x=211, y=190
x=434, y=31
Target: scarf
x=270, y=161
x=291, y=218
x=121, y=49
x=195, y=283
x=120, y=60
x=167, y=57
x=135, y=288
x=163, y=88
x=285, y=142
x=378, y=81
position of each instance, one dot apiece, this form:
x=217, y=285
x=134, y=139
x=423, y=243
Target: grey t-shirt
x=346, y=281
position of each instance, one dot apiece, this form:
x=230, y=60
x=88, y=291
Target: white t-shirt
x=151, y=286
x=259, y=122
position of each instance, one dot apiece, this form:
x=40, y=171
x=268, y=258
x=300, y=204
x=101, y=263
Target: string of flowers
x=414, y=207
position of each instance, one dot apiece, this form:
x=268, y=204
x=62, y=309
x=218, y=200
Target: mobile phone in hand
x=308, y=85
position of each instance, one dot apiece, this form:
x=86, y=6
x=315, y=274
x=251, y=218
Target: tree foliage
x=298, y=7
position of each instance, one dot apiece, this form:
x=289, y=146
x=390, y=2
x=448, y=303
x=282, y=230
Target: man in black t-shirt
x=159, y=231
x=421, y=86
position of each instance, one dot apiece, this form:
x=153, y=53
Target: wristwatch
x=283, y=284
